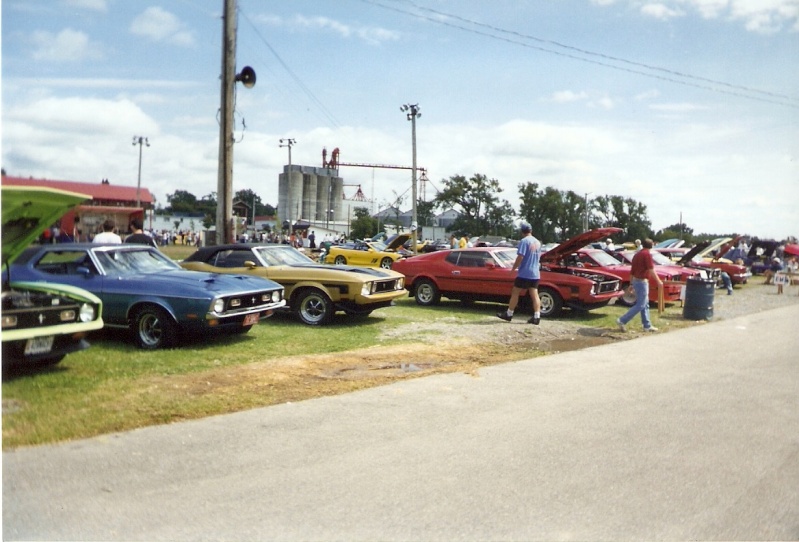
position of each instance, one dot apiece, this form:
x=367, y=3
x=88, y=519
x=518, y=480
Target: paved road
x=692, y=434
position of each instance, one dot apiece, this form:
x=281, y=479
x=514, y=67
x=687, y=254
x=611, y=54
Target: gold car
x=314, y=291
x=368, y=253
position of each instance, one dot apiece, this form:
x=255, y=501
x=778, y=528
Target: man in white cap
x=528, y=257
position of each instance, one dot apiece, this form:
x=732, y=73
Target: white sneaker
x=622, y=327
x=652, y=328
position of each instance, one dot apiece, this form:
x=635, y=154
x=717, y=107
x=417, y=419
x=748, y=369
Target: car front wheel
x=628, y=297
x=551, y=303
x=314, y=308
x=427, y=293
x=386, y=262
x=154, y=328
x=340, y=260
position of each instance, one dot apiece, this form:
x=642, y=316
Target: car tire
x=153, y=328
x=340, y=260
x=313, y=307
x=551, y=302
x=386, y=262
x=426, y=293
x=628, y=297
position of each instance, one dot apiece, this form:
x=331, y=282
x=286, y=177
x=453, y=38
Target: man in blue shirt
x=528, y=256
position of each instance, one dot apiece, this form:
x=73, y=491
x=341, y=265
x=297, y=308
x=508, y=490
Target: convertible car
x=314, y=291
x=42, y=322
x=368, y=253
x=146, y=292
x=484, y=274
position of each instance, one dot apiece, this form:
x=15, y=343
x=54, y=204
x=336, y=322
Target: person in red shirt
x=642, y=270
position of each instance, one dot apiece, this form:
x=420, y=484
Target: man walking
x=642, y=269
x=528, y=256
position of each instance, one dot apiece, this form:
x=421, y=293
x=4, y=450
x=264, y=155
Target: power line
x=328, y=115
x=734, y=90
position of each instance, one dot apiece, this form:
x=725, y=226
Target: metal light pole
x=138, y=140
x=412, y=112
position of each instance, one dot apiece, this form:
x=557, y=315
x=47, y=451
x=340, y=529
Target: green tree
x=476, y=199
x=181, y=201
x=363, y=225
x=625, y=213
x=425, y=212
x=676, y=231
x=554, y=215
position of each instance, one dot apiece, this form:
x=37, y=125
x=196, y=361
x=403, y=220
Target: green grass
x=114, y=386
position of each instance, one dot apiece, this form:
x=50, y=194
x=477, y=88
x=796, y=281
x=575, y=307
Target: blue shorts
x=525, y=284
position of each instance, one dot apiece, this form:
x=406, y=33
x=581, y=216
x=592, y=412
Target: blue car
x=148, y=293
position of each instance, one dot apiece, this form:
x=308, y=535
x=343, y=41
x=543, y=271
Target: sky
x=690, y=107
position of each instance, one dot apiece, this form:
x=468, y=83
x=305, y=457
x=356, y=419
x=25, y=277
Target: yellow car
x=368, y=253
x=314, y=291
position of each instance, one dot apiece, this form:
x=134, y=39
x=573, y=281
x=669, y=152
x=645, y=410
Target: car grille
x=608, y=286
x=246, y=302
x=386, y=286
x=34, y=309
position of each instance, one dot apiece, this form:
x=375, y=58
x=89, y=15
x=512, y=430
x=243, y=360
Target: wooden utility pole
x=224, y=194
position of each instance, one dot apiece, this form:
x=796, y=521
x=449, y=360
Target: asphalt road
x=693, y=434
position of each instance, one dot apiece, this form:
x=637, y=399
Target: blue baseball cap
x=524, y=226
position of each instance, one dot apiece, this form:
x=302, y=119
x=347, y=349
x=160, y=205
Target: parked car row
x=54, y=294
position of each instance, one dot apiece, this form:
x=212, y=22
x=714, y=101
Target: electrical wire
x=689, y=80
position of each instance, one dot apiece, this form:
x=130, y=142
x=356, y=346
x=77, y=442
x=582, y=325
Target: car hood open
x=397, y=241
x=577, y=242
x=28, y=211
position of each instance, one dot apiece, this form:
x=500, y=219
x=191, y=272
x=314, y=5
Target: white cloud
x=761, y=16
x=661, y=11
x=67, y=46
x=160, y=25
x=568, y=96
x=369, y=34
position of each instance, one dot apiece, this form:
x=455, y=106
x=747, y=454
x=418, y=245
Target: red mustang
x=484, y=274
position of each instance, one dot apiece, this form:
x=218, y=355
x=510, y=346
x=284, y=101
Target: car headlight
x=277, y=295
x=219, y=306
x=366, y=288
x=401, y=283
x=87, y=313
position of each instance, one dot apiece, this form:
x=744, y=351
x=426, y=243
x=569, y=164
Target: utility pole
x=225, y=227
x=412, y=112
x=138, y=140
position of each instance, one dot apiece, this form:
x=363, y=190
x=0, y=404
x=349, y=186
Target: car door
x=475, y=272
x=76, y=267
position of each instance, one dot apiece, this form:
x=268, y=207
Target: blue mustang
x=148, y=293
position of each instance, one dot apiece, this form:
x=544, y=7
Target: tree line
x=554, y=214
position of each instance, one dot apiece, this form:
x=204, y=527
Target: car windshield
x=603, y=258
x=133, y=262
x=282, y=255
x=660, y=259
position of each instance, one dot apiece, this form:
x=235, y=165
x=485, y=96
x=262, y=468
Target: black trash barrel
x=698, y=304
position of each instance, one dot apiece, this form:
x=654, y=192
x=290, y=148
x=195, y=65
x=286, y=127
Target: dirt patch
x=443, y=345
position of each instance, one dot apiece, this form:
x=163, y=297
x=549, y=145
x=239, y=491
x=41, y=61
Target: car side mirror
x=491, y=265
x=83, y=270
x=249, y=264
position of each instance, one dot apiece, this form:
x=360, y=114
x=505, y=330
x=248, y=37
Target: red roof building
x=109, y=201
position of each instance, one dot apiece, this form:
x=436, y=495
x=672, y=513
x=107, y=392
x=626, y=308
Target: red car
x=592, y=258
x=702, y=257
x=484, y=274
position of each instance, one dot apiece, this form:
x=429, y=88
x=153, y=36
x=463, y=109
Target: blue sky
x=688, y=106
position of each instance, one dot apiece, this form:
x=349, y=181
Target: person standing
x=642, y=270
x=138, y=236
x=108, y=235
x=528, y=257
